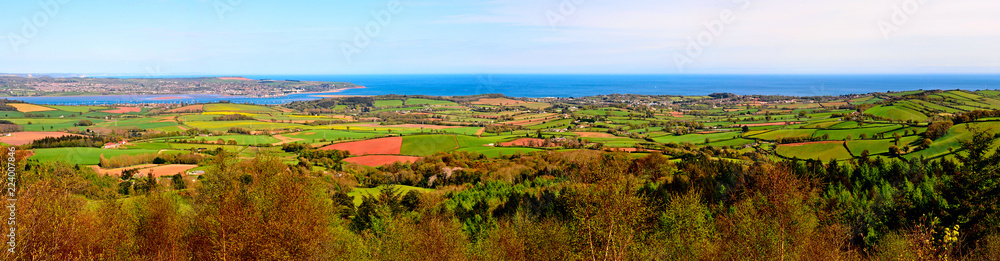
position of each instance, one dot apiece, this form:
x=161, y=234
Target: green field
x=254, y=125
x=821, y=151
x=953, y=140
x=188, y=146
x=141, y=123
x=475, y=142
x=388, y=103
x=880, y=146
x=425, y=145
x=241, y=139
x=821, y=124
x=84, y=156
x=46, y=124
x=841, y=134
x=873, y=146
x=78, y=108
x=897, y=113
x=331, y=135
x=418, y=101
x=497, y=152
x=732, y=142
x=786, y=133
x=697, y=138
x=158, y=145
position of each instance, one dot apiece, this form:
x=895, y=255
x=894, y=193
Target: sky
x=255, y=37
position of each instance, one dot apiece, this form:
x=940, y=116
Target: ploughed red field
x=390, y=145
x=379, y=160
x=22, y=138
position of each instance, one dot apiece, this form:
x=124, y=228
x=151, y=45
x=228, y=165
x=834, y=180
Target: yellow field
x=227, y=113
x=30, y=107
x=236, y=108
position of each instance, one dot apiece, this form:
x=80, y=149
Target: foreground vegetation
x=538, y=206
x=617, y=177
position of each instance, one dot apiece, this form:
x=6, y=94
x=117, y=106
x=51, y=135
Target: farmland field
x=379, y=160
x=78, y=108
x=388, y=132
x=22, y=138
x=242, y=139
x=423, y=145
x=897, y=113
x=21, y=107
x=841, y=134
x=236, y=108
x=253, y=125
x=787, y=133
x=388, y=103
x=418, y=101
x=83, y=156
x=332, y=135
x=698, y=138
x=824, y=151
x=390, y=145
x=427, y=138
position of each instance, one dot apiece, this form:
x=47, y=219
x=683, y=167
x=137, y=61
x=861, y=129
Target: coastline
x=335, y=91
x=179, y=96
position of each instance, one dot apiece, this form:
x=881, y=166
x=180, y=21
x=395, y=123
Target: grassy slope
x=821, y=151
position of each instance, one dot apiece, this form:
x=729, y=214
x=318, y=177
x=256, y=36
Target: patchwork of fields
x=405, y=129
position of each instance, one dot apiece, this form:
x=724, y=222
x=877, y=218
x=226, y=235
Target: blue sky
x=162, y=37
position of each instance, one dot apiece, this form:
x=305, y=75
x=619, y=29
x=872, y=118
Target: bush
x=84, y=123
x=239, y=130
x=938, y=129
x=10, y=127
x=233, y=117
x=178, y=181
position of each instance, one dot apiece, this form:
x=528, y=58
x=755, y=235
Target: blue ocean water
x=580, y=85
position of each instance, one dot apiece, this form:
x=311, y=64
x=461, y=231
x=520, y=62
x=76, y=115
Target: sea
x=571, y=85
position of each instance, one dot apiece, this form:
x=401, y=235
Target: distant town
x=22, y=86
